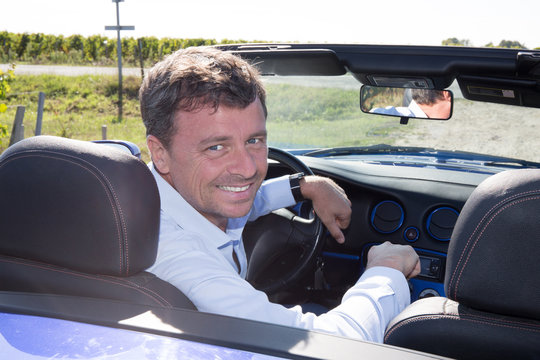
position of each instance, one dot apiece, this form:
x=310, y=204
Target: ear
x=159, y=154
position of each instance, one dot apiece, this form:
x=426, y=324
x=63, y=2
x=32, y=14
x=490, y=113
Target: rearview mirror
x=406, y=102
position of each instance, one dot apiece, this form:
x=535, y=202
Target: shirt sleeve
x=379, y=295
x=273, y=194
x=213, y=285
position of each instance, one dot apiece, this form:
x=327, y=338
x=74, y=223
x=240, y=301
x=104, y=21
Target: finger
x=416, y=270
x=343, y=216
x=343, y=222
x=336, y=233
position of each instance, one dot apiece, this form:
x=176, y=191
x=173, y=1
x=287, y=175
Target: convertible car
x=436, y=147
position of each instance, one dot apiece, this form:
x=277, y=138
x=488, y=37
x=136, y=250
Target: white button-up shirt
x=196, y=256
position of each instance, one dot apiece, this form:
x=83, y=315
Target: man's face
x=216, y=160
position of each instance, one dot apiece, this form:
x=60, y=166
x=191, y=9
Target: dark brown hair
x=191, y=79
x=427, y=96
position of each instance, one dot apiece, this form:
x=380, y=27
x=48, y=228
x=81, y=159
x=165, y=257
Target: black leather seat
x=492, y=279
x=80, y=219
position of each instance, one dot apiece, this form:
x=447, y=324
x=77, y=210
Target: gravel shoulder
x=495, y=129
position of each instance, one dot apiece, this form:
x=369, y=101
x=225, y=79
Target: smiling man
x=219, y=162
x=205, y=115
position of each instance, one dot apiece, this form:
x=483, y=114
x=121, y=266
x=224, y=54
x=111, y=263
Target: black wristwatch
x=294, y=181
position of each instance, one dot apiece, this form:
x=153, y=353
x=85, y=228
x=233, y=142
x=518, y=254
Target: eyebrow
x=219, y=139
x=260, y=133
x=213, y=140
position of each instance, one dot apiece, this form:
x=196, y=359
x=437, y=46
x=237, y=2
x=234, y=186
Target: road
x=70, y=70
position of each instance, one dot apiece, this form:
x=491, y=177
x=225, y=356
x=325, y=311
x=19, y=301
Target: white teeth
x=234, y=188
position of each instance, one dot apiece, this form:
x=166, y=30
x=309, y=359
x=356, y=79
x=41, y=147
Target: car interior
x=89, y=228
x=476, y=232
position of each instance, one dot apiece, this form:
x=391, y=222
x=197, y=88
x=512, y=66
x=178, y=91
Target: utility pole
x=118, y=28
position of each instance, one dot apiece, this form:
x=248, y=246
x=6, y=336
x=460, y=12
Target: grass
x=77, y=107
x=328, y=117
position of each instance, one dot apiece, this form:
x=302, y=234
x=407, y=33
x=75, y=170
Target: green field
x=77, y=107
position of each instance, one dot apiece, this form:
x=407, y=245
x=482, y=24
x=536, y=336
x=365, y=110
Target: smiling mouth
x=234, y=188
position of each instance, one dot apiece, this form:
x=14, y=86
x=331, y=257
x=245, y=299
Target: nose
x=243, y=163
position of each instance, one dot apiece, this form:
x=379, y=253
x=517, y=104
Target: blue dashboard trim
x=341, y=256
x=428, y=221
x=401, y=219
x=419, y=285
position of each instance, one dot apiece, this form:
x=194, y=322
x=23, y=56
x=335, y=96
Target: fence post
x=103, y=132
x=17, y=133
x=39, y=120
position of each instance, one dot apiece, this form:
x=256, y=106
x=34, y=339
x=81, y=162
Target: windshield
x=321, y=112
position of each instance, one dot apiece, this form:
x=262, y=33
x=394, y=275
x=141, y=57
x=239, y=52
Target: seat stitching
x=515, y=202
x=466, y=250
x=105, y=278
x=470, y=318
x=119, y=222
x=481, y=221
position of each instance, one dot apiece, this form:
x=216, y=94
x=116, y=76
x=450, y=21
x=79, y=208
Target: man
x=205, y=115
x=422, y=103
x=433, y=104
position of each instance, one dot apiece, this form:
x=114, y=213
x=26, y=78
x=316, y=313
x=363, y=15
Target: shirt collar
x=189, y=219
x=416, y=110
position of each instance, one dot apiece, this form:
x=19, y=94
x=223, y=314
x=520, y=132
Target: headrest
x=493, y=257
x=79, y=205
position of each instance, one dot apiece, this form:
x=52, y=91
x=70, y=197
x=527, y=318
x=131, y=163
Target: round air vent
x=440, y=223
x=387, y=216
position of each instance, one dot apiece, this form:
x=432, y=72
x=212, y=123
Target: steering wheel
x=282, y=245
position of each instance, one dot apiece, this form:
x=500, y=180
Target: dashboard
x=410, y=205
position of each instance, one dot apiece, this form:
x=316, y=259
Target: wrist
x=295, y=184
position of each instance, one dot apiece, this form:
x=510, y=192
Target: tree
x=456, y=42
x=7, y=45
x=94, y=47
x=21, y=45
x=507, y=44
x=35, y=45
x=511, y=44
x=75, y=42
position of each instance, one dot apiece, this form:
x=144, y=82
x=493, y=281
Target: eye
x=255, y=141
x=216, y=147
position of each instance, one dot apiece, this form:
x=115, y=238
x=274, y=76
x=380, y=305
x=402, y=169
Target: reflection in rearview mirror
x=406, y=102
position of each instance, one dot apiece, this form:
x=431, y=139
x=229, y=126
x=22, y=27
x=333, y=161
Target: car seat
x=80, y=219
x=492, y=309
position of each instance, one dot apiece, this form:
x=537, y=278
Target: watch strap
x=294, y=181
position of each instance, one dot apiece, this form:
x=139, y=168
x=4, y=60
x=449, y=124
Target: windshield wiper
x=365, y=150
x=439, y=156
x=511, y=163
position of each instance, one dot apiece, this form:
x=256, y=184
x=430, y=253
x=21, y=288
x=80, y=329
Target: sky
x=413, y=22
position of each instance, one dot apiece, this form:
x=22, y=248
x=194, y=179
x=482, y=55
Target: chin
x=237, y=210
